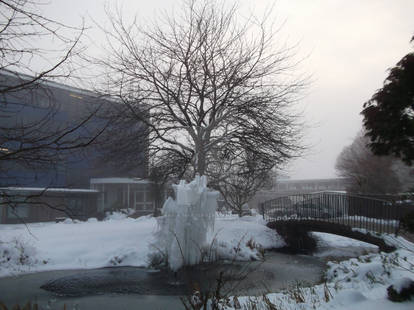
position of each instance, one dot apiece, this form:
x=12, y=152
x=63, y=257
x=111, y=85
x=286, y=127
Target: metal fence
x=355, y=211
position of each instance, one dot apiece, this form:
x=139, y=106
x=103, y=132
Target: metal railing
x=357, y=212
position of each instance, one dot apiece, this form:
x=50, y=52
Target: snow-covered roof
x=119, y=181
x=45, y=189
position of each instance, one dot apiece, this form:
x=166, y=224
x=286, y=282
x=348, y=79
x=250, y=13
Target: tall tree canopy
x=389, y=114
x=210, y=81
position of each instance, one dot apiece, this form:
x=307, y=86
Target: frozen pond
x=136, y=288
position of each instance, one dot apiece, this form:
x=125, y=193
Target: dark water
x=136, y=288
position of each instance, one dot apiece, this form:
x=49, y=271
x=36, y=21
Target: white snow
x=338, y=246
x=401, y=284
x=235, y=237
x=73, y=245
x=117, y=241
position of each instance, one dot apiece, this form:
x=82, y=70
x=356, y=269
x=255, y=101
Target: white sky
x=348, y=46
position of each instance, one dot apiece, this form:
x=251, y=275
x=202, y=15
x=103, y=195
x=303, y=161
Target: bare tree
x=366, y=172
x=245, y=175
x=27, y=134
x=23, y=29
x=208, y=79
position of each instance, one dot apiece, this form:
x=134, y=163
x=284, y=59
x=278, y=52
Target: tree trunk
x=200, y=157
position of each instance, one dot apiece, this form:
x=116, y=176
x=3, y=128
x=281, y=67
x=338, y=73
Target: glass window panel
x=21, y=211
x=139, y=196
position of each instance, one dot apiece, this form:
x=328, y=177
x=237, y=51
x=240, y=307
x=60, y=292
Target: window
x=18, y=212
x=140, y=196
x=74, y=206
x=143, y=200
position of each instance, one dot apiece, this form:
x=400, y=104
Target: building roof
x=48, y=83
x=48, y=190
x=119, y=181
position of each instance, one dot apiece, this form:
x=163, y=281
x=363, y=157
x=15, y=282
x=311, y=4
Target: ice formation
x=185, y=222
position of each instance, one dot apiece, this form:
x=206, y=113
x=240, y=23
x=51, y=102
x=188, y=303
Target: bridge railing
x=354, y=211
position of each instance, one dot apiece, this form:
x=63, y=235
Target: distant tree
x=389, y=114
x=367, y=173
x=208, y=80
x=238, y=177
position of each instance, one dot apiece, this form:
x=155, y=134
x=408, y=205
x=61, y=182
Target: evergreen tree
x=389, y=114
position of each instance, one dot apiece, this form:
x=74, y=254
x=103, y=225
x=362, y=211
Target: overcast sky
x=347, y=44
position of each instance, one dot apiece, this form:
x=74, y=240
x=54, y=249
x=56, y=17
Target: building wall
x=116, y=152
x=117, y=196
x=47, y=208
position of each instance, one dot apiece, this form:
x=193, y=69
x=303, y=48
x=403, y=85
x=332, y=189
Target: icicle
x=185, y=222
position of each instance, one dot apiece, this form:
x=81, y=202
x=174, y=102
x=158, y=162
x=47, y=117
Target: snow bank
x=118, y=241
x=243, y=238
x=329, y=245
x=358, y=283
x=79, y=245
x=118, y=215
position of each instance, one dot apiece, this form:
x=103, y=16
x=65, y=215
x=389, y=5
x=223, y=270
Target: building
x=29, y=204
x=116, y=149
x=290, y=187
x=285, y=187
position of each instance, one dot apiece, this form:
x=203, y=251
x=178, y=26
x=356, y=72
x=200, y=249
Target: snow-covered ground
x=116, y=241
x=357, y=283
x=330, y=245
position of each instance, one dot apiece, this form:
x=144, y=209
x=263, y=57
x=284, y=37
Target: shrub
x=402, y=291
x=17, y=253
x=407, y=222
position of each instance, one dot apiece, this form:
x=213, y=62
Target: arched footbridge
x=361, y=218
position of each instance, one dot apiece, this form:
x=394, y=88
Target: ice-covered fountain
x=185, y=223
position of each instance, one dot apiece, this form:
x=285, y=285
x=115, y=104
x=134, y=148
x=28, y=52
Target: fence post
x=262, y=209
x=397, y=229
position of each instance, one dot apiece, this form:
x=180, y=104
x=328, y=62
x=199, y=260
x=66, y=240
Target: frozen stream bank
x=133, y=287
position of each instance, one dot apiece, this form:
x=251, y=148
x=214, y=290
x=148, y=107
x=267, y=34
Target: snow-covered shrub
x=119, y=214
x=67, y=221
x=156, y=259
x=16, y=253
x=401, y=290
x=185, y=222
